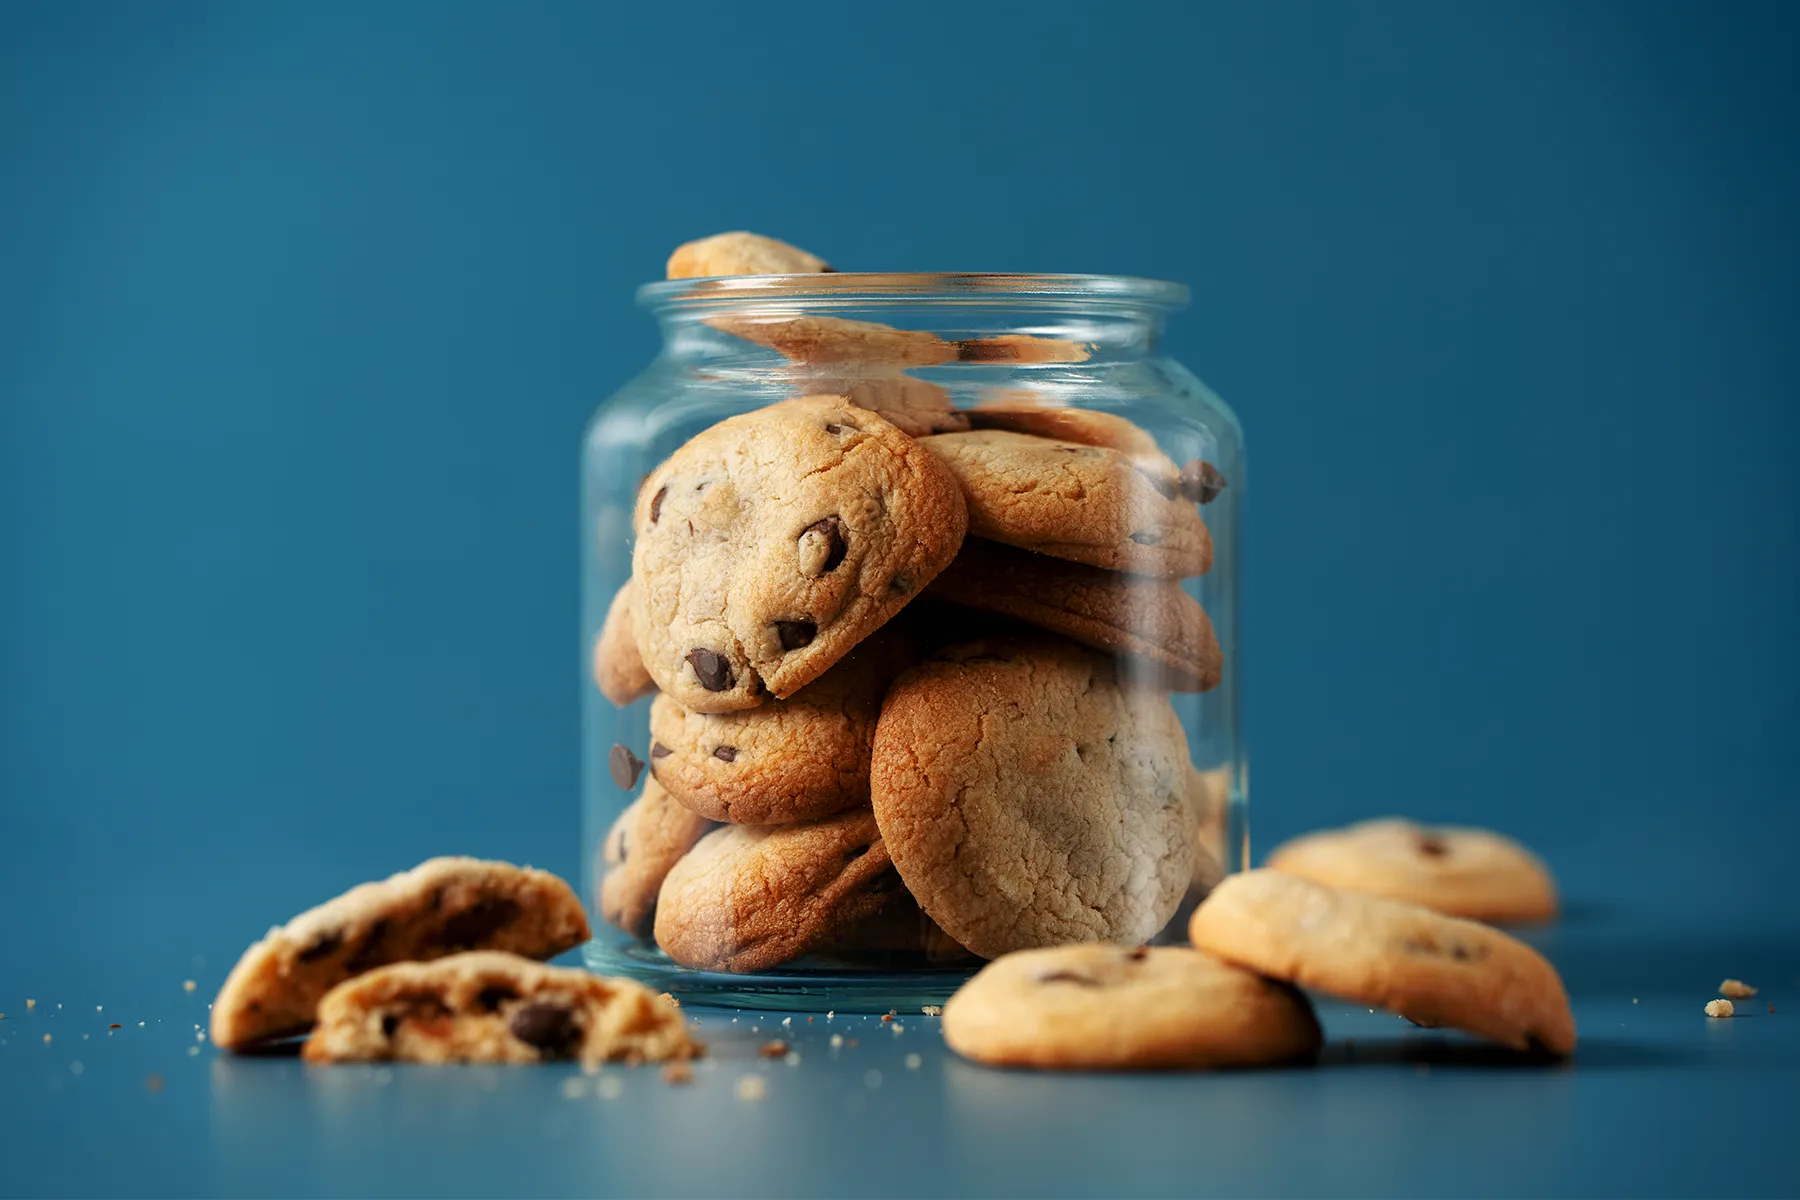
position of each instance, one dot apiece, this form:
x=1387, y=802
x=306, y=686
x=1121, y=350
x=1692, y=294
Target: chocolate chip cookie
x=1473, y=873
x=772, y=543
x=1089, y=504
x=1430, y=968
x=648, y=839
x=748, y=897
x=618, y=668
x=1030, y=798
x=1153, y=621
x=740, y=253
x=787, y=760
x=439, y=907
x=1110, y=1008
x=490, y=1007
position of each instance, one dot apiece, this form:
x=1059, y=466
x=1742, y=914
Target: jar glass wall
x=910, y=635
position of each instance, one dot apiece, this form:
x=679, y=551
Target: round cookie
x=1429, y=968
x=787, y=760
x=749, y=897
x=773, y=542
x=839, y=340
x=1031, y=799
x=647, y=840
x=1089, y=504
x=1464, y=872
x=618, y=668
x=1107, y=1007
x=740, y=253
x=1153, y=621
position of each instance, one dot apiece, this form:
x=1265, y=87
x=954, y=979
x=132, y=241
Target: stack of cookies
x=911, y=663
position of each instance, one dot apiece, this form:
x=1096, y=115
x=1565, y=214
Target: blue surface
x=303, y=307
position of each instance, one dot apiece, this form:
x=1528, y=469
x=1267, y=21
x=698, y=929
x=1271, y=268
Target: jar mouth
x=844, y=289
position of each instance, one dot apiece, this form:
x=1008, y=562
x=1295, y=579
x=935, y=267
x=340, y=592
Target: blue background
x=303, y=309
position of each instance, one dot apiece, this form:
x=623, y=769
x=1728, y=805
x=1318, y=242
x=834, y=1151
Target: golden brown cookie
x=648, y=839
x=1023, y=411
x=1473, y=873
x=439, y=907
x=1429, y=968
x=787, y=760
x=839, y=340
x=749, y=897
x=489, y=1007
x=1153, y=621
x=740, y=253
x=1088, y=504
x=1102, y=1007
x=618, y=668
x=1029, y=798
x=1022, y=348
x=775, y=541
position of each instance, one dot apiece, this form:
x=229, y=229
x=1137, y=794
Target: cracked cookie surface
x=773, y=542
x=646, y=841
x=1089, y=504
x=1108, y=1007
x=1030, y=799
x=490, y=1007
x=442, y=906
x=1153, y=621
x=1430, y=968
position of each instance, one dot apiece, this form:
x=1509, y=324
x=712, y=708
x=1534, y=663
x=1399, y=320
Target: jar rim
x=844, y=288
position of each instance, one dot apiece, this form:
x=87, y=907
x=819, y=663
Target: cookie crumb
x=677, y=1073
x=670, y=1000
x=1719, y=1008
x=99, y=1008
x=188, y=985
x=1634, y=999
x=888, y=1015
x=30, y=1003
x=837, y=1039
x=153, y=1083
x=193, y=1051
x=774, y=1049
x=574, y=1088
x=609, y=1087
x=914, y=1062
x=46, y=1039
x=933, y=1010
x=829, y=1013
x=792, y=1059
x=115, y=1025
x=751, y=1088
x=1736, y=989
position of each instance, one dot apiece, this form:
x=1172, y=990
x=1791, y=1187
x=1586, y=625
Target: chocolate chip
x=549, y=1027
x=490, y=998
x=1139, y=954
x=712, y=669
x=795, y=634
x=656, y=503
x=1201, y=481
x=822, y=546
x=623, y=839
x=477, y=922
x=1433, y=847
x=437, y=899
x=371, y=953
x=1068, y=977
x=658, y=750
x=1147, y=537
x=389, y=1025
x=726, y=753
x=831, y=427
x=322, y=945
x=624, y=766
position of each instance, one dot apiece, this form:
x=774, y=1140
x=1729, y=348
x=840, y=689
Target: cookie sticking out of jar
x=925, y=620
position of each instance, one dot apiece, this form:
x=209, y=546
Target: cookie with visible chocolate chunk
x=1101, y=1007
x=1153, y=622
x=785, y=760
x=485, y=1006
x=441, y=906
x=740, y=253
x=750, y=897
x=1089, y=504
x=1031, y=797
x=618, y=668
x=772, y=543
x=1430, y=968
x=1465, y=872
x=648, y=839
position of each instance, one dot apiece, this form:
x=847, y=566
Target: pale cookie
x=1089, y=504
x=740, y=254
x=1108, y=1008
x=1429, y=968
x=787, y=760
x=773, y=542
x=1152, y=621
x=490, y=1007
x=1471, y=873
x=439, y=907
x=618, y=668
x=748, y=898
x=839, y=340
x=648, y=839
x=1023, y=348
x=1029, y=798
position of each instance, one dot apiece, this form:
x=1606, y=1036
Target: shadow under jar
x=909, y=612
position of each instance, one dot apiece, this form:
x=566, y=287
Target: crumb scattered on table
x=677, y=1073
x=774, y=1049
x=913, y=1062
x=671, y=1001
x=1719, y=1008
x=574, y=1088
x=751, y=1088
x=1736, y=989
x=30, y=1003
x=115, y=1025
x=153, y=1083
x=188, y=985
x=933, y=1010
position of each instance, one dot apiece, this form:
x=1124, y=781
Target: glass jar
x=944, y=619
